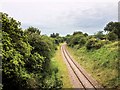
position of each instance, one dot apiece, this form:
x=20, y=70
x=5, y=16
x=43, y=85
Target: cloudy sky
x=62, y=16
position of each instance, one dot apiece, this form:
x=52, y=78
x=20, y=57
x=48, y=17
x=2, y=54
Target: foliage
x=96, y=41
x=67, y=38
x=93, y=44
x=99, y=53
x=103, y=63
x=77, y=32
x=112, y=36
x=57, y=64
x=99, y=35
x=113, y=29
x=33, y=30
x=57, y=39
x=54, y=35
x=26, y=57
x=78, y=38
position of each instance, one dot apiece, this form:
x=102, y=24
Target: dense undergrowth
x=99, y=54
x=58, y=62
x=26, y=56
x=103, y=63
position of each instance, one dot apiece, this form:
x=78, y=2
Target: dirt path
x=79, y=77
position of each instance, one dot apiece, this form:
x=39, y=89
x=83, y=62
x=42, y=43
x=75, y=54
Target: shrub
x=94, y=44
x=76, y=39
x=112, y=36
x=25, y=57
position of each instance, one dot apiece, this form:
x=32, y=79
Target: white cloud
x=61, y=15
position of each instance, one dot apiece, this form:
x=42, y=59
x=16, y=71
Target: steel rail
x=66, y=52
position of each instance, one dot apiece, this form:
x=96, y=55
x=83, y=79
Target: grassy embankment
x=102, y=64
x=58, y=62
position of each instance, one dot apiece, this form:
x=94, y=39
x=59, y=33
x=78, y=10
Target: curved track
x=84, y=80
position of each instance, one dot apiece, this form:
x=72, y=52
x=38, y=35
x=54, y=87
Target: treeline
x=99, y=53
x=26, y=56
x=58, y=39
x=97, y=40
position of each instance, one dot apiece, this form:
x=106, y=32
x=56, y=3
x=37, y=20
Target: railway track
x=85, y=81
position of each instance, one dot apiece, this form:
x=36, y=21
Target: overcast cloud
x=62, y=16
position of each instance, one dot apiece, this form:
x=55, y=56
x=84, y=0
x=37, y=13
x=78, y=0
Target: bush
x=112, y=36
x=82, y=41
x=94, y=44
x=25, y=57
x=76, y=39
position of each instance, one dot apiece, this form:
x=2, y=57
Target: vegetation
x=0, y=59
x=32, y=61
x=57, y=61
x=113, y=29
x=98, y=53
x=58, y=39
x=26, y=58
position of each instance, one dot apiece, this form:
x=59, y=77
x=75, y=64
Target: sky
x=62, y=16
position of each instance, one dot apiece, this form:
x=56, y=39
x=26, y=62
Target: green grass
x=58, y=62
x=102, y=64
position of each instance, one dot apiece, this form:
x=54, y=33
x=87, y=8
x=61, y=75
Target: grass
x=102, y=64
x=57, y=61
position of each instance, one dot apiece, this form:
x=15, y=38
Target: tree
x=114, y=29
x=109, y=27
x=13, y=55
x=57, y=39
x=112, y=36
x=33, y=30
x=85, y=34
x=25, y=57
x=77, y=32
x=99, y=35
x=78, y=38
x=93, y=44
x=54, y=35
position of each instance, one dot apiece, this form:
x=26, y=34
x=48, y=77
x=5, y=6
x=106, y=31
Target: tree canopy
x=113, y=29
x=25, y=57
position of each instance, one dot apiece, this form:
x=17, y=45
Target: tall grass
x=59, y=65
x=102, y=63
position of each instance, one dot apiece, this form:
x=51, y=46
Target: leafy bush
x=78, y=38
x=25, y=57
x=112, y=36
x=94, y=44
x=113, y=29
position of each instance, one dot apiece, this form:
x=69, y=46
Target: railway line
x=81, y=79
